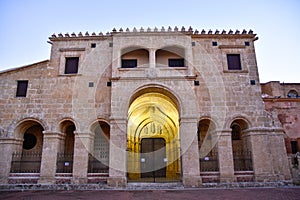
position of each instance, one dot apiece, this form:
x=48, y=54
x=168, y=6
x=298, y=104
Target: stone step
x=146, y=185
x=140, y=186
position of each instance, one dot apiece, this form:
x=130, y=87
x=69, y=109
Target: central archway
x=153, y=139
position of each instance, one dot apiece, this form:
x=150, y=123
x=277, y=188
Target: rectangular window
x=234, y=62
x=132, y=63
x=294, y=145
x=22, y=88
x=71, y=66
x=176, y=62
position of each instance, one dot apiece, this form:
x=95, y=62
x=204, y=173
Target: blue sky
x=25, y=26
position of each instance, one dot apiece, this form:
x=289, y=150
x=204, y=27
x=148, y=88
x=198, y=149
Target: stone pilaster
x=225, y=155
x=190, y=153
x=82, y=147
x=152, y=58
x=261, y=155
x=117, y=154
x=51, y=146
x=7, y=148
x=280, y=159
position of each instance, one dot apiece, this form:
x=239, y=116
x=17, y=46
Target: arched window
x=236, y=132
x=292, y=94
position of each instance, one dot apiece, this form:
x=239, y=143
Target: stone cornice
x=155, y=78
x=281, y=99
x=146, y=31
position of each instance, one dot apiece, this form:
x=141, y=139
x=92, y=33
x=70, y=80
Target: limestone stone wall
x=101, y=90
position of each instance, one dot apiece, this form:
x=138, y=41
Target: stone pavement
x=286, y=193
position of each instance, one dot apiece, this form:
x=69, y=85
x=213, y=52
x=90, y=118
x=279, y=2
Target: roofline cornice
x=135, y=32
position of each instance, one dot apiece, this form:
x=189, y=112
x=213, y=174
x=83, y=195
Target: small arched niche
x=134, y=57
x=170, y=56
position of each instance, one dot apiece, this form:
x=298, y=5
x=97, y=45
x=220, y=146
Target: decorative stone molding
x=183, y=30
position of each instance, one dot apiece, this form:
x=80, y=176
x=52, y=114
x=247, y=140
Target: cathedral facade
x=141, y=105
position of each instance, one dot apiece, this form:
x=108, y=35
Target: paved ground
x=215, y=194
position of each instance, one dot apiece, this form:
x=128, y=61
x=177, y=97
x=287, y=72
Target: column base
x=192, y=181
x=3, y=180
x=79, y=181
x=43, y=180
x=265, y=178
x=227, y=179
x=117, y=181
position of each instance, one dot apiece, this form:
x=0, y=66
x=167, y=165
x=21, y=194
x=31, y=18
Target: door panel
x=153, y=158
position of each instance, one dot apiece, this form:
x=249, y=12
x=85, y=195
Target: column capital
x=83, y=134
x=11, y=140
x=188, y=119
x=118, y=119
x=49, y=134
x=223, y=132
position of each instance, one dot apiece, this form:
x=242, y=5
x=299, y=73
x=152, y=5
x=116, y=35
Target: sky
x=25, y=26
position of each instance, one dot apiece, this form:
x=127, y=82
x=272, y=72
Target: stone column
x=7, y=147
x=51, y=146
x=279, y=154
x=189, y=153
x=118, y=153
x=261, y=155
x=152, y=58
x=225, y=155
x=82, y=146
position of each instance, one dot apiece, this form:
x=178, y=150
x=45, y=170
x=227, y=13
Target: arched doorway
x=99, y=155
x=66, y=152
x=28, y=155
x=153, y=139
x=242, y=158
x=207, y=145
